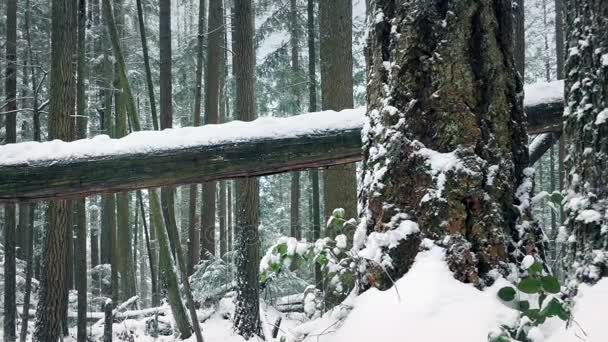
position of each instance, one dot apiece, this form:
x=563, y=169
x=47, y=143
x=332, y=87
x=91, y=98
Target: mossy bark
x=443, y=86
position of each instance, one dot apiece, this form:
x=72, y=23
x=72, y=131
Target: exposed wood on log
x=545, y=117
x=85, y=176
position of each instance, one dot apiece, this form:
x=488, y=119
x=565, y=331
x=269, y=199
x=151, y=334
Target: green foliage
x=336, y=261
x=534, y=284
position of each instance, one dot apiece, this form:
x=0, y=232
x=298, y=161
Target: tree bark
x=194, y=227
x=9, y=231
x=149, y=82
x=80, y=244
x=212, y=116
x=463, y=107
x=335, y=25
x=247, y=312
x=586, y=131
x=52, y=302
x=294, y=41
x=520, y=37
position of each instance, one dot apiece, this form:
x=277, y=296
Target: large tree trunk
x=11, y=137
x=335, y=25
x=458, y=169
x=52, y=302
x=586, y=130
x=247, y=314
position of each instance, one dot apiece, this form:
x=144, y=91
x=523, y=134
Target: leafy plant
x=332, y=255
x=538, y=285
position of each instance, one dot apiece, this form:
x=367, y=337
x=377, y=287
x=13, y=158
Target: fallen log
x=37, y=171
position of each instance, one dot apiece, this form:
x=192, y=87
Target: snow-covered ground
x=427, y=304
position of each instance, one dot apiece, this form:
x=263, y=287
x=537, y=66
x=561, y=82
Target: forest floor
x=427, y=304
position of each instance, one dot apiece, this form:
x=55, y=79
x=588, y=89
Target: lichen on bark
x=445, y=142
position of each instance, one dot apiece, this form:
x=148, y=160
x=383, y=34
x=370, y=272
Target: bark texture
x=335, y=26
x=52, y=304
x=10, y=122
x=586, y=130
x=445, y=143
x=247, y=313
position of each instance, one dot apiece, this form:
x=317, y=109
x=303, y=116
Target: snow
x=440, y=164
x=527, y=262
x=170, y=139
x=589, y=320
x=427, y=304
x=589, y=216
x=377, y=241
x=602, y=117
x=543, y=92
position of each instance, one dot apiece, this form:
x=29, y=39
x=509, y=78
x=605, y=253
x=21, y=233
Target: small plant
x=534, y=296
x=332, y=255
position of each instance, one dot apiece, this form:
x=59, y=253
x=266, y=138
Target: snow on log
x=32, y=171
x=35, y=171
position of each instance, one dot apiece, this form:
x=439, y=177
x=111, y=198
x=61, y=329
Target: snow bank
x=170, y=139
x=590, y=322
x=430, y=306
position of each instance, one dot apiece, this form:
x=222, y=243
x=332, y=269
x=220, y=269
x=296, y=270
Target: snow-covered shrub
x=536, y=297
x=334, y=256
x=213, y=278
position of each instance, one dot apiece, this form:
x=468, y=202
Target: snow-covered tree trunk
x=586, y=129
x=445, y=140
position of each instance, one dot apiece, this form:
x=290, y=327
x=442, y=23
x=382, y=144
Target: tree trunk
x=586, y=130
x=80, y=244
x=335, y=25
x=11, y=137
x=155, y=295
x=312, y=107
x=520, y=37
x=212, y=116
x=149, y=82
x=247, y=312
x=194, y=229
x=53, y=288
x=459, y=167
x=559, y=38
x=167, y=274
x=294, y=41
x=28, y=275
